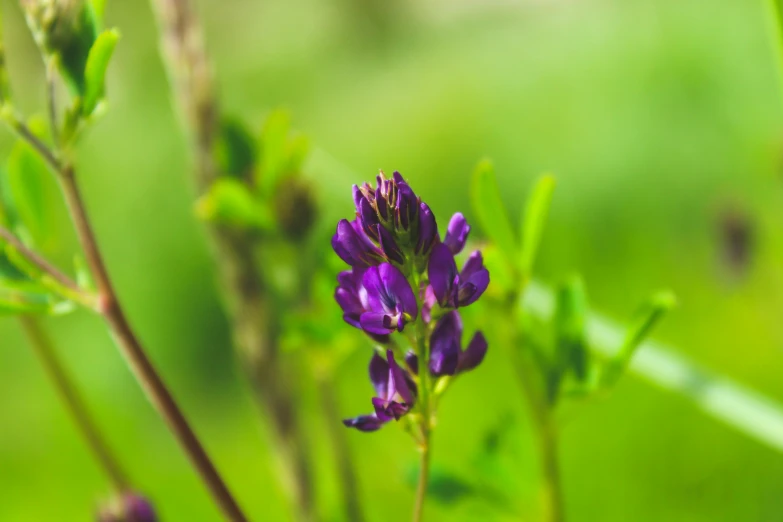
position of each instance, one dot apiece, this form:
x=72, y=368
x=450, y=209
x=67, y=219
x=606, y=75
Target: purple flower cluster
x=403, y=273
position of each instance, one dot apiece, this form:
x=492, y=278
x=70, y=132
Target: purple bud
x=445, y=344
x=129, y=507
x=457, y=233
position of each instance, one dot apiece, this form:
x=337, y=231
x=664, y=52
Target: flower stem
x=424, y=476
x=42, y=346
x=156, y=390
x=254, y=323
x=425, y=395
x=545, y=432
x=775, y=26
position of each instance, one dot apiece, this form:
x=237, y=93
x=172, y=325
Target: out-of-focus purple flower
x=129, y=507
x=453, y=289
x=390, y=300
x=394, y=392
x=446, y=354
x=457, y=233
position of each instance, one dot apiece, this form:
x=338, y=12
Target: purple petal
x=473, y=280
x=389, y=410
x=374, y=323
x=457, y=233
x=397, y=177
x=389, y=246
x=412, y=361
x=364, y=423
x=379, y=375
x=428, y=229
x=388, y=291
x=348, y=301
x=445, y=344
x=407, y=205
x=139, y=509
x=367, y=214
x=350, y=246
x=442, y=272
x=358, y=196
x=398, y=385
x=428, y=301
x=474, y=353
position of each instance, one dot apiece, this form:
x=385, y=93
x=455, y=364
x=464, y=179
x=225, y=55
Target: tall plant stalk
x=108, y=305
x=44, y=349
x=254, y=324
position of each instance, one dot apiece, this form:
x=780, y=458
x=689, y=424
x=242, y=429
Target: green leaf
x=98, y=7
x=29, y=297
x=235, y=150
x=95, y=69
x=230, y=202
x=273, y=154
x=443, y=486
x=533, y=221
x=648, y=316
x=32, y=192
x=490, y=212
x=570, y=320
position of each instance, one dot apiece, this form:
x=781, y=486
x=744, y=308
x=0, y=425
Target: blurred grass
x=655, y=117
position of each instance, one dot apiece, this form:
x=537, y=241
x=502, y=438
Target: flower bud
x=64, y=30
x=128, y=507
x=295, y=207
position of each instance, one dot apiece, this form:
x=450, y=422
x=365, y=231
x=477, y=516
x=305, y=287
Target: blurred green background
x=662, y=121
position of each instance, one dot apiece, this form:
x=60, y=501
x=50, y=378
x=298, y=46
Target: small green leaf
x=490, y=212
x=570, y=319
x=230, y=202
x=273, y=153
x=533, y=221
x=32, y=192
x=648, y=316
x=95, y=69
x=235, y=150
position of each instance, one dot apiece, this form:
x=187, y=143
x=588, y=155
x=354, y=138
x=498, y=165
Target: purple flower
x=453, y=289
x=353, y=246
x=428, y=230
x=128, y=507
x=390, y=300
x=457, y=233
x=353, y=299
x=394, y=394
x=446, y=354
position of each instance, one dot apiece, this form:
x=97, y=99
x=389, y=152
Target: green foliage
x=230, y=202
x=31, y=192
x=443, y=486
x=533, y=221
x=95, y=69
x=569, y=321
x=489, y=209
x=646, y=318
x=276, y=154
x=236, y=151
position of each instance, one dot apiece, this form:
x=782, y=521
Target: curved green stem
x=44, y=349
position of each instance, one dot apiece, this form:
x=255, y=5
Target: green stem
x=775, y=25
x=425, y=445
x=424, y=475
x=533, y=383
x=42, y=346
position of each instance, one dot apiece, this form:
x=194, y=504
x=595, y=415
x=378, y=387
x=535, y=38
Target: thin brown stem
x=16, y=124
x=254, y=322
x=39, y=261
x=72, y=399
x=137, y=359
